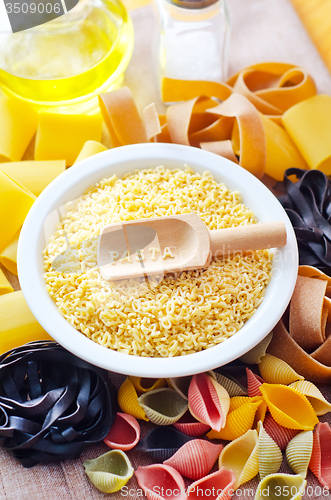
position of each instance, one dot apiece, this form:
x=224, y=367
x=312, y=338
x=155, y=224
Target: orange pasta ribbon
x=306, y=345
x=246, y=127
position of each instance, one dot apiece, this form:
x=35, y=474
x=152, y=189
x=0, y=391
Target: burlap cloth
x=261, y=30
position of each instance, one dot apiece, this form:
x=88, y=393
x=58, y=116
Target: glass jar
x=193, y=39
x=64, y=64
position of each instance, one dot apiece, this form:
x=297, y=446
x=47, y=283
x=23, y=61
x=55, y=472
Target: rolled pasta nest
x=181, y=314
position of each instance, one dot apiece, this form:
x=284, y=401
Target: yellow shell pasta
x=314, y=396
x=241, y=456
x=289, y=407
x=128, y=400
x=275, y=371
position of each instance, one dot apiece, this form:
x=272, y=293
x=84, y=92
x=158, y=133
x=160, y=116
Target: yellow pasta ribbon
x=18, y=125
x=61, y=136
x=182, y=90
x=90, y=148
x=34, y=175
x=15, y=203
x=5, y=286
x=309, y=125
x=8, y=257
x=17, y=323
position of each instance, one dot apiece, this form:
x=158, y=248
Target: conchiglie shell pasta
x=195, y=458
x=281, y=486
x=281, y=435
x=216, y=486
x=238, y=422
x=124, y=433
x=320, y=463
x=289, y=407
x=254, y=383
x=241, y=456
x=163, y=406
x=208, y=401
x=162, y=442
x=314, y=396
x=270, y=456
x=159, y=477
x=147, y=384
x=298, y=452
x=128, y=400
x=181, y=385
x=276, y=371
x=190, y=426
x=231, y=385
x=109, y=472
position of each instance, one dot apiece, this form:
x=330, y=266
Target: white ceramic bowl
x=71, y=184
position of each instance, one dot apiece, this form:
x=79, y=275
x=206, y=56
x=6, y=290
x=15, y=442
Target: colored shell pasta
x=195, y=458
x=208, y=401
x=109, y=472
x=164, y=478
x=163, y=406
x=124, y=433
x=70, y=262
x=161, y=443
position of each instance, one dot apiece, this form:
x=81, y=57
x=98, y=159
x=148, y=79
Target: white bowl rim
x=46, y=313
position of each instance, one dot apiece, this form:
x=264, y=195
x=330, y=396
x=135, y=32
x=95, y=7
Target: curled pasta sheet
x=273, y=87
x=5, y=286
x=8, y=257
x=309, y=125
x=310, y=308
x=18, y=325
x=122, y=118
x=180, y=90
x=307, y=324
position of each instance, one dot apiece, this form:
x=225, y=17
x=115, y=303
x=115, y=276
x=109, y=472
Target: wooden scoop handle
x=245, y=238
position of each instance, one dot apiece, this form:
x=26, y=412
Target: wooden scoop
x=176, y=243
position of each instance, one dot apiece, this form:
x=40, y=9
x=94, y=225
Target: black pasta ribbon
x=307, y=202
x=52, y=404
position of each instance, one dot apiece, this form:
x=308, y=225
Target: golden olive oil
x=66, y=63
